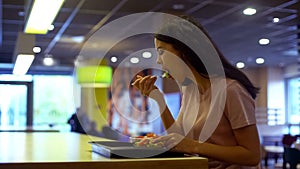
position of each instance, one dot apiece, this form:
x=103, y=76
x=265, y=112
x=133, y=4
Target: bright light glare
x=260, y=60
x=240, y=65
x=22, y=64
x=113, y=59
x=36, y=49
x=147, y=54
x=276, y=20
x=134, y=60
x=78, y=39
x=41, y=16
x=48, y=61
x=51, y=27
x=264, y=41
x=249, y=11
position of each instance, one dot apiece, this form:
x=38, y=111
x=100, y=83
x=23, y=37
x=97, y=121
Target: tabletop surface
x=66, y=147
x=274, y=149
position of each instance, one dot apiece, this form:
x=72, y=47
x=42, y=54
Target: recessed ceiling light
x=147, y=55
x=134, y=60
x=260, y=60
x=275, y=20
x=113, y=59
x=48, y=61
x=36, y=49
x=51, y=27
x=21, y=13
x=264, y=41
x=178, y=6
x=240, y=65
x=249, y=11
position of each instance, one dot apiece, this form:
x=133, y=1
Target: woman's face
x=170, y=60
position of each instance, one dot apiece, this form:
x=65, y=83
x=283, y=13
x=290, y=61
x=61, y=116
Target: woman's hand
x=176, y=142
x=145, y=84
x=147, y=88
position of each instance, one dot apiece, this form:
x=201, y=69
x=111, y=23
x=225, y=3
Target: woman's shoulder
x=233, y=86
x=236, y=88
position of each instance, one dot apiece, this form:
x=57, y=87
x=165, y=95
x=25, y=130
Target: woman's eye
x=160, y=51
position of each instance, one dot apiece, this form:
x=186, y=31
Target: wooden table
x=54, y=150
x=27, y=129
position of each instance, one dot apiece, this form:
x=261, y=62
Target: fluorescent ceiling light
x=42, y=14
x=22, y=64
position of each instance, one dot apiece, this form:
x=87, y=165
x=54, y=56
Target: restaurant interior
x=84, y=59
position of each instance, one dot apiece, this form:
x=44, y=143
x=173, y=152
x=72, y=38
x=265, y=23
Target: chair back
x=288, y=140
x=292, y=157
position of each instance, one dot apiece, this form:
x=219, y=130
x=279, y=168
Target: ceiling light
x=78, y=39
x=147, y=55
x=51, y=28
x=134, y=60
x=36, y=49
x=72, y=39
x=264, y=41
x=42, y=14
x=23, y=54
x=260, y=60
x=249, y=11
x=178, y=6
x=113, y=59
x=21, y=13
x=22, y=64
x=48, y=61
x=275, y=20
x=240, y=65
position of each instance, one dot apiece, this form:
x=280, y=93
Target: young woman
x=215, y=121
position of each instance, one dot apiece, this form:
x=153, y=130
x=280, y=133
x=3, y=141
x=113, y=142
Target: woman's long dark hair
x=192, y=58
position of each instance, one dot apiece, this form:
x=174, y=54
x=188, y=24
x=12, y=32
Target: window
x=293, y=104
x=53, y=100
